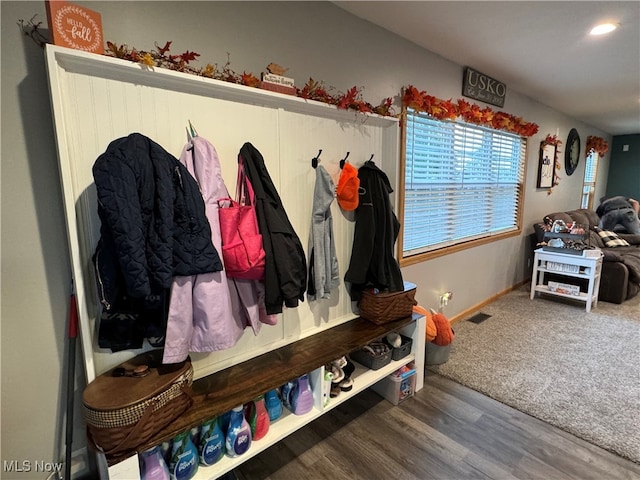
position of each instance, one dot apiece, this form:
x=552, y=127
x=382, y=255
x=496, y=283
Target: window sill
x=423, y=257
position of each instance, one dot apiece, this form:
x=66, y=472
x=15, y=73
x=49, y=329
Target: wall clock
x=572, y=152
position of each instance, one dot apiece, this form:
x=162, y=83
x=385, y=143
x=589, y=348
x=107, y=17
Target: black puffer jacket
x=286, y=265
x=153, y=221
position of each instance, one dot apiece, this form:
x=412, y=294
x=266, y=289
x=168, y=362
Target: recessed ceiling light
x=603, y=28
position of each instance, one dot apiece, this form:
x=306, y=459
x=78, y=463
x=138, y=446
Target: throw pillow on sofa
x=611, y=239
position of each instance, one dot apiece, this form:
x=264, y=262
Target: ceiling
x=540, y=49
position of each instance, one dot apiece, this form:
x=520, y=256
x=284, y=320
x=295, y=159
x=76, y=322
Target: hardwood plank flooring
x=445, y=432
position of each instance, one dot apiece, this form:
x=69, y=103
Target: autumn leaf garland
x=440, y=109
x=317, y=90
x=312, y=90
x=160, y=57
x=596, y=144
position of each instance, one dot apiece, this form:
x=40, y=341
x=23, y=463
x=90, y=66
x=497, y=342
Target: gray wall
x=624, y=174
x=313, y=39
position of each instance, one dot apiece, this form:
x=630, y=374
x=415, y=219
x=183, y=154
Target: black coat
x=285, y=268
x=372, y=258
x=153, y=223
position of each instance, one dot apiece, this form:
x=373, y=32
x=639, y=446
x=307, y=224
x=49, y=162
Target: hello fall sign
x=74, y=26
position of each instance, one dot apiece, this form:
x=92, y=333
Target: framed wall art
x=546, y=165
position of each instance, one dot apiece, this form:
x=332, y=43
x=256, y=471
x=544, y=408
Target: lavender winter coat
x=208, y=312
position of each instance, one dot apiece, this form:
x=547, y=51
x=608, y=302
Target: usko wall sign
x=481, y=87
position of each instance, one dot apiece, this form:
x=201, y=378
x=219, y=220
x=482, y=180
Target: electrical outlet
x=444, y=299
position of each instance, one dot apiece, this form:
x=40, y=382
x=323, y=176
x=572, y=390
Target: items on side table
x=621, y=264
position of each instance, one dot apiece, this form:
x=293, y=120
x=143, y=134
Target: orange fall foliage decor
x=312, y=90
x=596, y=144
x=439, y=109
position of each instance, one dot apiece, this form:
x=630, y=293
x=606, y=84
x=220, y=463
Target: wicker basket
x=385, y=307
x=124, y=412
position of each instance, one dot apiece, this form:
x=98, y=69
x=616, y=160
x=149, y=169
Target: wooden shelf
x=583, y=275
x=582, y=296
x=288, y=423
x=103, y=66
x=228, y=388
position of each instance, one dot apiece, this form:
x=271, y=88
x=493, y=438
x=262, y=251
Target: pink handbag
x=242, y=250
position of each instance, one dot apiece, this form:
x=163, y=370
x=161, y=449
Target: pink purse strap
x=226, y=202
x=244, y=188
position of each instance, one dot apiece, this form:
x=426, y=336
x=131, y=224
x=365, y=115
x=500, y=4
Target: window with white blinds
x=589, y=184
x=462, y=182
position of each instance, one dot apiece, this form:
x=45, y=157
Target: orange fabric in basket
x=431, y=326
x=445, y=332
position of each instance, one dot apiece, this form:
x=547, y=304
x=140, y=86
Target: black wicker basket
x=403, y=350
x=374, y=356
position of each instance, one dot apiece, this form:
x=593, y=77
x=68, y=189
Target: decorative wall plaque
x=481, y=87
x=546, y=166
x=74, y=26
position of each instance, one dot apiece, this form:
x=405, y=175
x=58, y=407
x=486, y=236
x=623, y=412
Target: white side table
x=568, y=265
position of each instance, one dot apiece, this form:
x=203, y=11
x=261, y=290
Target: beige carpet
x=550, y=359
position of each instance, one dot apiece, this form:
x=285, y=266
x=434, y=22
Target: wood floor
x=446, y=431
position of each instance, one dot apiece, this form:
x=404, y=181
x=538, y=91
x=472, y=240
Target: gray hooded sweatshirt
x=323, y=262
